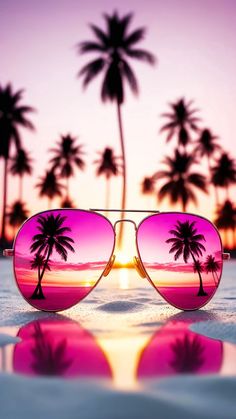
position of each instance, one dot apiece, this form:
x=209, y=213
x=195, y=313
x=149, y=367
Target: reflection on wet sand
x=61, y=347
x=174, y=349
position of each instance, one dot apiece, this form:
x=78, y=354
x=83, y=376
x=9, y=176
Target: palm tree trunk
x=123, y=200
x=3, y=234
x=209, y=166
x=227, y=192
x=67, y=188
x=234, y=237
x=20, y=188
x=38, y=292
x=201, y=291
x=216, y=197
x=107, y=194
x=226, y=243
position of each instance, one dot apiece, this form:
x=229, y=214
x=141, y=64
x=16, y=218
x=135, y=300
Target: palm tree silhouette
x=68, y=155
x=148, y=188
x=17, y=214
x=211, y=265
x=198, y=266
x=50, y=237
x=38, y=263
x=108, y=166
x=226, y=220
x=12, y=117
x=182, y=121
x=148, y=185
x=48, y=358
x=186, y=243
x=188, y=354
x=67, y=203
x=21, y=164
x=49, y=186
x=207, y=146
x=224, y=173
x=180, y=179
x=115, y=46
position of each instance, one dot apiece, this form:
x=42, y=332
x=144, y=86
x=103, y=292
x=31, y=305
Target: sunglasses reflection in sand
x=63, y=348
x=175, y=349
x=59, y=348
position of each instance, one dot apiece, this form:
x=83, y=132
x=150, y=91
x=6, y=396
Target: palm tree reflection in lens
x=50, y=238
x=211, y=265
x=187, y=243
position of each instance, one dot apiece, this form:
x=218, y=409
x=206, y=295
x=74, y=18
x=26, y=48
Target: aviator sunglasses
x=60, y=256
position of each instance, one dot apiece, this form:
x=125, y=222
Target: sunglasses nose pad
x=139, y=268
x=109, y=265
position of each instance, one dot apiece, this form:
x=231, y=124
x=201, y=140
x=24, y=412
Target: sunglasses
x=60, y=256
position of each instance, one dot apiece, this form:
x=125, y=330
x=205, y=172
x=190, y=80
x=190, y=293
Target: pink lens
x=182, y=254
x=174, y=349
x=58, y=348
x=59, y=257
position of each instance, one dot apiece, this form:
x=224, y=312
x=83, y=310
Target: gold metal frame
x=138, y=264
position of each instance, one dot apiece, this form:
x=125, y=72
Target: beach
x=121, y=353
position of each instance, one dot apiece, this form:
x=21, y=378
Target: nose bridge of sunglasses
x=126, y=220
x=109, y=266
x=139, y=268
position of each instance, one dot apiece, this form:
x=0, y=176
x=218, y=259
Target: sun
x=123, y=259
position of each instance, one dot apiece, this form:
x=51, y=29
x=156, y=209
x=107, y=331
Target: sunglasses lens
x=60, y=256
x=182, y=254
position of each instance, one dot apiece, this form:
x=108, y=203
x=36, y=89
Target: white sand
x=216, y=330
x=185, y=397
x=122, y=313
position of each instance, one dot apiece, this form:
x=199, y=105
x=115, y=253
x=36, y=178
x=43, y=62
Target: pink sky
x=195, y=45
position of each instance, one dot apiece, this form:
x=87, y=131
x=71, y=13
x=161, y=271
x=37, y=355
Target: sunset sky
x=195, y=45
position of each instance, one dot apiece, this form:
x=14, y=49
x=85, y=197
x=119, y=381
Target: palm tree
x=207, y=146
x=67, y=203
x=68, y=155
x=224, y=173
x=12, y=117
x=182, y=121
x=21, y=165
x=49, y=186
x=17, y=214
x=38, y=263
x=49, y=358
x=198, y=266
x=188, y=354
x=180, y=179
x=226, y=220
x=148, y=185
x=211, y=265
x=108, y=166
x=114, y=47
x=187, y=242
x=50, y=237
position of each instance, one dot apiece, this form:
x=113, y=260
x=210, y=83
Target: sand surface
x=121, y=353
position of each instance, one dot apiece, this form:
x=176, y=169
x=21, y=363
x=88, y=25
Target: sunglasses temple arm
x=8, y=252
x=226, y=256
